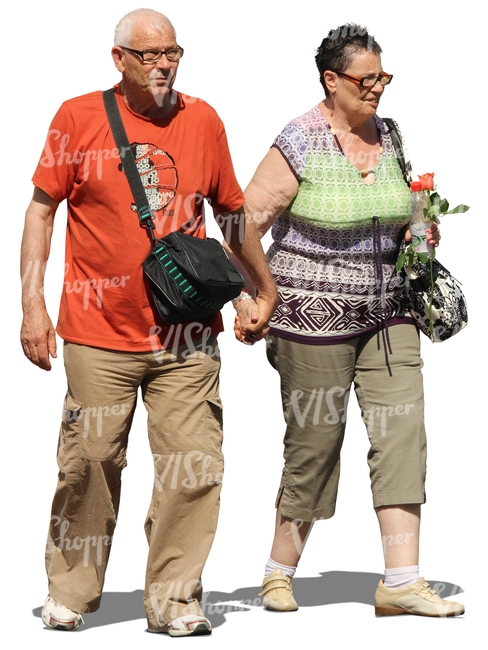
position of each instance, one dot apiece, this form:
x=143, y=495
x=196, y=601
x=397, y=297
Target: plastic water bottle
x=419, y=224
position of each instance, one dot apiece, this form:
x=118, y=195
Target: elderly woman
x=333, y=191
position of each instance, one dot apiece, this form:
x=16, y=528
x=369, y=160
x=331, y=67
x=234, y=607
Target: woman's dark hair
x=339, y=47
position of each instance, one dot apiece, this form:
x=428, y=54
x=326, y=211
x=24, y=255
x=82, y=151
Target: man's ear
x=118, y=57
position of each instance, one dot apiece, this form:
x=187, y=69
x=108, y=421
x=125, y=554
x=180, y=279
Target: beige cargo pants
x=180, y=390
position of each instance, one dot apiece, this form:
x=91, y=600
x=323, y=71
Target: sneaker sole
x=200, y=630
x=54, y=624
x=396, y=611
x=271, y=608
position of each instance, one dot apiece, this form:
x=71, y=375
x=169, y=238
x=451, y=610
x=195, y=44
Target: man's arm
x=242, y=238
x=37, y=333
x=270, y=191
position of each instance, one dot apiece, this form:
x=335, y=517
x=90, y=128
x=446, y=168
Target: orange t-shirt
x=182, y=159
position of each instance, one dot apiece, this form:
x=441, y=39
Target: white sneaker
x=59, y=617
x=189, y=625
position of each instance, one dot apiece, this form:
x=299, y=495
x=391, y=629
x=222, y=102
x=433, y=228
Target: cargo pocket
x=69, y=461
x=213, y=426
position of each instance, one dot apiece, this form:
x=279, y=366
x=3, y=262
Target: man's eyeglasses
x=368, y=82
x=153, y=56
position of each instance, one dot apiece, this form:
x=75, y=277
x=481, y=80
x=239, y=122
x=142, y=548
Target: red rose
x=427, y=181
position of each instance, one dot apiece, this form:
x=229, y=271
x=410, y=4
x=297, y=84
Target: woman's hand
x=433, y=235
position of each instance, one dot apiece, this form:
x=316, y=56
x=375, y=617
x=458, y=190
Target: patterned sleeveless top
x=332, y=262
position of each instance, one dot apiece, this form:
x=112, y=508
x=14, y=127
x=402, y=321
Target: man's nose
x=164, y=63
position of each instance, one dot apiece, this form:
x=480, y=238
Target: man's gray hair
x=126, y=25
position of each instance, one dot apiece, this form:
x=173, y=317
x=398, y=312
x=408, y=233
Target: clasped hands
x=252, y=318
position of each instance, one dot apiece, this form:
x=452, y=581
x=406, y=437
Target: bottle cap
x=415, y=186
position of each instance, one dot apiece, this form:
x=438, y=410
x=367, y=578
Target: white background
x=254, y=62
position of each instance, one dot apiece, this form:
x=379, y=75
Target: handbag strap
x=402, y=158
x=128, y=162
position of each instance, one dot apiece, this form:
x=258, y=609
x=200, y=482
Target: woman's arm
x=270, y=191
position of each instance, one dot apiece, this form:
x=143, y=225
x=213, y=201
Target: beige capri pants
x=315, y=386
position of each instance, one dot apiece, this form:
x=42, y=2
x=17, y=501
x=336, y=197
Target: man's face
x=146, y=80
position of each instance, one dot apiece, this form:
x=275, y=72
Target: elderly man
x=115, y=343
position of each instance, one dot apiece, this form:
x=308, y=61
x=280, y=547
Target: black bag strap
x=396, y=140
x=128, y=162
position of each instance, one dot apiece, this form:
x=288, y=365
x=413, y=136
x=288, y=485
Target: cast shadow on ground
x=328, y=588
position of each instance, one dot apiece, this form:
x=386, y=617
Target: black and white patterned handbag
x=442, y=313
x=439, y=314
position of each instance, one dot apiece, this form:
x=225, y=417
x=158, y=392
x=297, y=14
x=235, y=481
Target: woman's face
x=352, y=98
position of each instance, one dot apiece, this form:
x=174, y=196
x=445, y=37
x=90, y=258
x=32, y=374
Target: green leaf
x=443, y=206
x=400, y=261
x=409, y=255
x=459, y=209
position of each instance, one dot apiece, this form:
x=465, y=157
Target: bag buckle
x=146, y=221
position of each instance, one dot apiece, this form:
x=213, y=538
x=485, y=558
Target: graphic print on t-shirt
x=158, y=175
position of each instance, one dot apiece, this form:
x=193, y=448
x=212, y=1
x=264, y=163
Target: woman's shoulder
x=388, y=128
x=394, y=144
x=386, y=124
x=312, y=120
x=302, y=135
x=296, y=139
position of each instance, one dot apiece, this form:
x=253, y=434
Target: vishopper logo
x=92, y=288
x=227, y=224
x=168, y=219
x=378, y=415
x=439, y=587
x=300, y=537
x=321, y=401
x=175, y=593
x=91, y=544
x=351, y=30
x=56, y=154
x=178, y=592
x=33, y=276
x=164, y=93
x=94, y=415
x=188, y=340
x=397, y=540
x=187, y=470
x=330, y=406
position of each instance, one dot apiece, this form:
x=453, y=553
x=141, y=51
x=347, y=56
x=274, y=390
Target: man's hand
x=38, y=337
x=37, y=333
